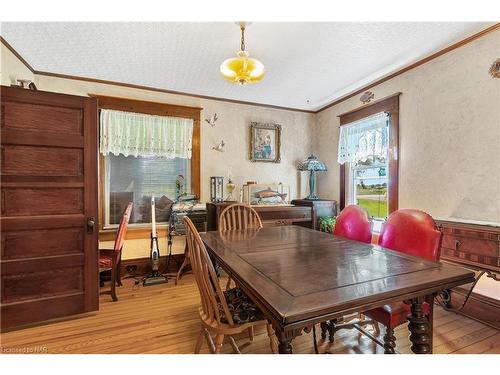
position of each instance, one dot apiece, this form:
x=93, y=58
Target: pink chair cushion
x=353, y=223
x=105, y=261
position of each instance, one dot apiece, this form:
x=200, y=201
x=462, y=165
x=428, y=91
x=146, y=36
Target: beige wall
x=232, y=126
x=449, y=161
x=11, y=68
x=449, y=134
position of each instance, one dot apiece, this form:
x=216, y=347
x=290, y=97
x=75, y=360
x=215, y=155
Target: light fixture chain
x=242, y=37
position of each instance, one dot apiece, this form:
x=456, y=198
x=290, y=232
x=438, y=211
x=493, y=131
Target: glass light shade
x=242, y=69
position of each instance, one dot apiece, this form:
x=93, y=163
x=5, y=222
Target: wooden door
x=49, y=261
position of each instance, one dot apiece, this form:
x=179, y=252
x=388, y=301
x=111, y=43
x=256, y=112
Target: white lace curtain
x=139, y=134
x=364, y=140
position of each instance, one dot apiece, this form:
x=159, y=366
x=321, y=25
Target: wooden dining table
x=299, y=277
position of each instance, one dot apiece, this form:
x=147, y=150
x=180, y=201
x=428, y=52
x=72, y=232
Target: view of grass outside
x=371, y=191
x=374, y=208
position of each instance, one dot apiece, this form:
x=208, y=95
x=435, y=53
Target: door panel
x=49, y=265
x=40, y=118
x=42, y=161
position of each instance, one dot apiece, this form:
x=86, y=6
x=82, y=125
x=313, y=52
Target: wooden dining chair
x=238, y=216
x=354, y=224
x=110, y=259
x=227, y=313
x=411, y=232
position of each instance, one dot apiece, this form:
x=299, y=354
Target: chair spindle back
x=206, y=279
x=239, y=216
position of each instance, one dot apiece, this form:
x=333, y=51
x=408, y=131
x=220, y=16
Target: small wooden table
x=299, y=277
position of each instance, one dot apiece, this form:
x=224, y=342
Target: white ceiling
x=308, y=64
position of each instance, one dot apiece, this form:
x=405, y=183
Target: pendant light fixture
x=242, y=69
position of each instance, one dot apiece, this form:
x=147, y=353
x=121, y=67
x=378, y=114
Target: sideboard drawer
x=472, y=245
x=279, y=222
x=287, y=212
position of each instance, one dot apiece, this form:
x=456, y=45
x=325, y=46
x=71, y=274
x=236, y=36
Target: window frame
x=389, y=105
x=151, y=108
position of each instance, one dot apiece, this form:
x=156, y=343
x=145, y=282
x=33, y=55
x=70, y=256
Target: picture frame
x=266, y=195
x=265, y=142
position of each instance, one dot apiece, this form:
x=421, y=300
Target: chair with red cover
x=353, y=223
x=411, y=232
x=110, y=259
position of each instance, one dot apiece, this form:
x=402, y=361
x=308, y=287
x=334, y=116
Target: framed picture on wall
x=265, y=142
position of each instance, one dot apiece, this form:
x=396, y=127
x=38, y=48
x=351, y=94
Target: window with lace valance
x=145, y=154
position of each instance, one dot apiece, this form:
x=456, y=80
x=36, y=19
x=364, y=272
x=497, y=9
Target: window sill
x=133, y=233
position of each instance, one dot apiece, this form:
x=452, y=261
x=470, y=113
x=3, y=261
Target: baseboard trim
x=479, y=307
x=143, y=265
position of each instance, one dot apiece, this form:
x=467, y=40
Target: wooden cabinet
x=471, y=245
x=477, y=247
x=270, y=215
x=319, y=208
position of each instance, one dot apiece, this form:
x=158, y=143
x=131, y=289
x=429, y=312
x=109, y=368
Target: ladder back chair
x=110, y=259
x=225, y=313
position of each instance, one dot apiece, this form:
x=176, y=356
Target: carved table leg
x=331, y=329
x=285, y=346
x=419, y=328
x=324, y=329
x=285, y=342
x=328, y=326
x=389, y=341
x=430, y=318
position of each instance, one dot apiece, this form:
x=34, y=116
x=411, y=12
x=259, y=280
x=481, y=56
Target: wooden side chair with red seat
x=354, y=224
x=411, y=232
x=110, y=259
x=223, y=313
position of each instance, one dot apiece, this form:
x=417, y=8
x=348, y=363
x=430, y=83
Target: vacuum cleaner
x=154, y=277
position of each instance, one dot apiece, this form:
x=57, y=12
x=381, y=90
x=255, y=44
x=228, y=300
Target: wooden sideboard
x=474, y=246
x=270, y=215
x=319, y=208
x=471, y=245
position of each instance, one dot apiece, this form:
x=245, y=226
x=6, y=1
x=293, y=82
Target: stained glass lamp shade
x=313, y=165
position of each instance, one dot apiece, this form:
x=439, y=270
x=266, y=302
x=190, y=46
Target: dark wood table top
x=299, y=276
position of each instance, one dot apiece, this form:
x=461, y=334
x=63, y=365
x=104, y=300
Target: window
x=368, y=149
x=363, y=147
x=145, y=148
x=370, y=189
x=134, y=179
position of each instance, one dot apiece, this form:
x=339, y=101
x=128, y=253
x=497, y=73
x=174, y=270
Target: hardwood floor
x=163, y=319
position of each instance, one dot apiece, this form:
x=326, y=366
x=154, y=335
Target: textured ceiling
x=307, y=64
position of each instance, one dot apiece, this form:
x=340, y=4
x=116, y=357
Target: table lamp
x=313, y=165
